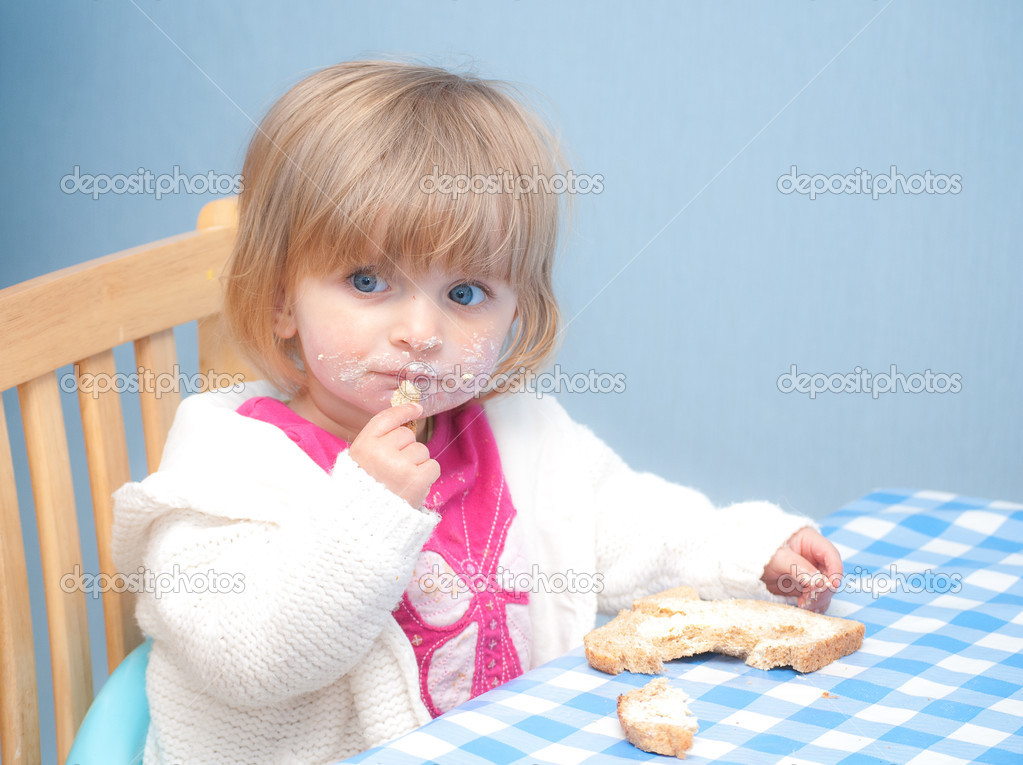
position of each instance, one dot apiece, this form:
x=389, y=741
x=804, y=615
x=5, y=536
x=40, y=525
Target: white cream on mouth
x=475, y=360
x=351, y=368
x=419, y=368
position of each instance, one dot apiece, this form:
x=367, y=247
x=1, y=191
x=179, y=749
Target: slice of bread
x=676, y=623
x=656, y=719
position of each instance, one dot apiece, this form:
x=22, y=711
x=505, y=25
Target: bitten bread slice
x=656, y=719
x=676, y=623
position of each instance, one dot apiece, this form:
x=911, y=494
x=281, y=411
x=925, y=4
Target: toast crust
x=675, y=623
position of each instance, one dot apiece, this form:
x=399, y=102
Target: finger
x=801, y=577
x=431, y=470
x=819, y=601
x=825, y=557
x=391, y=418
x=832, y=567
x=397, y=438
x=788, y=573
x=420, y=485
x=416, y=452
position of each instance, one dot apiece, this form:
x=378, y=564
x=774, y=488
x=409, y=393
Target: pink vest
x=466, y=622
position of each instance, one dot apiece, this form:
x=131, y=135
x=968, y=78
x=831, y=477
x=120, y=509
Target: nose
x=418, y=326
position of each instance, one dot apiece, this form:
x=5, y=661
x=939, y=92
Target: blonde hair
x=361, y=142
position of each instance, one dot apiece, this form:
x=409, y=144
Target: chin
x=442, y=402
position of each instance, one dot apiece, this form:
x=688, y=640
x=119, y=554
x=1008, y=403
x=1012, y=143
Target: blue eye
x=467, y=294
x=364, y=282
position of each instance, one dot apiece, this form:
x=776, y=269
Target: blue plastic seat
x=114, y=729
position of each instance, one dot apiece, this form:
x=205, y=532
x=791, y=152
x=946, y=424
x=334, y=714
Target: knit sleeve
x=651, y=534
x=260, y=610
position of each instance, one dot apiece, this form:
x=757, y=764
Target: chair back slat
x=106, y=453
x=61, y=554
x=19, y=702
x=81, y=310
x=78, y=315
x=157, y=356
x=217, y=355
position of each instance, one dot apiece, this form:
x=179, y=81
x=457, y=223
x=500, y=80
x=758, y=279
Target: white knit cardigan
x=301, y=661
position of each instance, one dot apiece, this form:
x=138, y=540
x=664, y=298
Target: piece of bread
x=656, y=719
x=676, y=623
x=406, y=393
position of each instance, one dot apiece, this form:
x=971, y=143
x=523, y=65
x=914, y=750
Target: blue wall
x=691, y=273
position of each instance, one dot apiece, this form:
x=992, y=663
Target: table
x=935, y=577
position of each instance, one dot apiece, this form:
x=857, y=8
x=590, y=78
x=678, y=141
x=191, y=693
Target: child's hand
x=390, y=453
x=809, y=566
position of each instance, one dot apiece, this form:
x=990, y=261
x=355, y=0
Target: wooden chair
x=77, y=316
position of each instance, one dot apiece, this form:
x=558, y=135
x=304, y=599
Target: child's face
x=360, y=334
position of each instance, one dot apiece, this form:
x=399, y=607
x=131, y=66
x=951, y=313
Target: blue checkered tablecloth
x=935, y=577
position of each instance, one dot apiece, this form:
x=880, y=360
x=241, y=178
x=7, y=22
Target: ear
x=284, y=323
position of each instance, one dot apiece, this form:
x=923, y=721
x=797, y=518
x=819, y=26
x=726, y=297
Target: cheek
x=476, y=358
x=479, y=353
x=340, y=367
x=331, y=349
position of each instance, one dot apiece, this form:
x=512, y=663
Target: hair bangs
x=454, y=186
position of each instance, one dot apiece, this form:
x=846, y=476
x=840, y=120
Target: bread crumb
x=656, y=718
x=406, y=393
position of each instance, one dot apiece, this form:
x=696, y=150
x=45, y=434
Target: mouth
x=411, y=375
x=420, y=375
x=428, y=380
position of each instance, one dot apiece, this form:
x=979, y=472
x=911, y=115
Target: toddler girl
x=383, y=576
